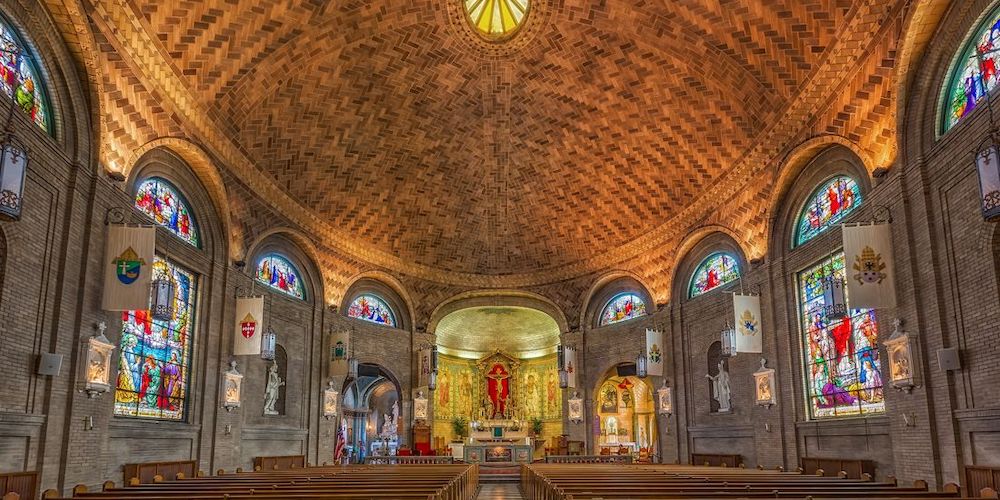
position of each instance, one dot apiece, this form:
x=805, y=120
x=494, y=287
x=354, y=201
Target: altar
x=500, y=451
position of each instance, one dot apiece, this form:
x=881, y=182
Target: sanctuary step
x=499, y=473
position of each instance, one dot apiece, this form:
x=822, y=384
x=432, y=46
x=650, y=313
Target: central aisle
x=499, y=492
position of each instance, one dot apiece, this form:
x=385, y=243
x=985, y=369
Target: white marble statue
x=720, y=387
x=390, y=426
x=274, y=384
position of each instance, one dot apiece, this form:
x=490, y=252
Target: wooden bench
x=23, y=484
x=410, y=459
x=279, y=463
x=831, y=467
x=146, y=471
x=588, y=459
x=979, y=478
x=592, y=481
x=716, y=460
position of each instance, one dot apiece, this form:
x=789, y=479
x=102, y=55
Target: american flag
x=341, y=448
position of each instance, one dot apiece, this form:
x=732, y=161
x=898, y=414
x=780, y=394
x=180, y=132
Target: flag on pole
x=128, y=267
x=746, y=309
x=571, y=368
x=340, y=449
x=339, y=353
x=654, y=352
x=249, y=325
x=869, y=266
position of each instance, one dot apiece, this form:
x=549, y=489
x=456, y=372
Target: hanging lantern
x=640, y=365
x=233, y=388
x=434, y=358
x=560, y=357
x=665, y=399
x=575, y=408
x=330, y=397
x=728, y=340
x=162, y=300
x=98, y=363
x=13, y=165
x=563, y=379
x=432, y=381
x=268, y=344
x=988, y=168
x=420, y=407
x=900, y=349
x=834, y=302
x=764, y=385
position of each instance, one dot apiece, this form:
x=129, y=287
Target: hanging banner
x=746, y=309
x=249, y=326
x=339, y=352
x=869, y=266
x=571, y=367
x=424, y=362
x=128, y=267
x=654, y=353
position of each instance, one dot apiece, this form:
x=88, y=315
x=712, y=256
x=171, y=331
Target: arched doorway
x=626, y=412
x=372, y=413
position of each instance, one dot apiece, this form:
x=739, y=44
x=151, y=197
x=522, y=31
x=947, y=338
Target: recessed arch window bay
x=19, y=76
x=827, y=206
x=843, y=374
x=371, y=308
x=153, y=364
x=161, y=201
x=278, y=273
x=975, y=71
x=496, y=18
x=622, y=307
x=716, y=270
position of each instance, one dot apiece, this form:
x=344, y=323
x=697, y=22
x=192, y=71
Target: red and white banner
x=249, y=325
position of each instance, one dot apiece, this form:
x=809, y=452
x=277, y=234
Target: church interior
x=466, y=249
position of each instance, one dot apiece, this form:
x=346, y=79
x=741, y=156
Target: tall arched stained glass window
x=162, y=202
x=153, y=367
x=843, y=375
x=496, y=18
x=371, y=308
x=975, y=70
x=827, y=206
x=278, y=273
x=19, y=76
x=716, y=270
x=622, y=307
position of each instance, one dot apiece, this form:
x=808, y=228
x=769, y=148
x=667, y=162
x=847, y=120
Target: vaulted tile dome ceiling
x=395, y=130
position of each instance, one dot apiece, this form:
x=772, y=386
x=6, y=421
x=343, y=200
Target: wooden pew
x=24, y=484
x=146, y=471
x=716, y=460
x=279, y=463
x=855, y=469
x=977, y=478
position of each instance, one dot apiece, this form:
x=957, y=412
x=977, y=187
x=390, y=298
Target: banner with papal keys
x=654, y=352
x=869, y=267
x=749, y=335
x=339, y=353
x=569, y=355
x=128, y=267
x=249, y=325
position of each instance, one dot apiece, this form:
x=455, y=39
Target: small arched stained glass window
x=371, y=308
x=716, y=270
x=278, y=273
x=623, y=307
x=827, y=206
x=975, y=70
x=19, y=76
x=162, y=202
x=496, y=18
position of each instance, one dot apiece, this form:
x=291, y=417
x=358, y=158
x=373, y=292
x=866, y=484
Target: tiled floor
x=499, y=492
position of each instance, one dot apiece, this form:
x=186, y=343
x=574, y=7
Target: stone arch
x=607, y=286
x=399, y=297
x=497, y=298
x=695, y=247
x=299, y=249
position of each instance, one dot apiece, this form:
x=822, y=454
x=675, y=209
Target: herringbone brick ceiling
x=598, y=122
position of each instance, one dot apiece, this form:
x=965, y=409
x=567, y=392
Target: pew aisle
x=404, y=482
x=610, y=481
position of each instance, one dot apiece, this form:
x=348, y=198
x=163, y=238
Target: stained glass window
x=371, y=308
x=623, y=307
x=19, y=76
x=827, y=206
x=496, y=18
x=159, y=200
x=843, y=375
x=153, y=364
x=277, y=272
x=974, y=76
x=715, y=271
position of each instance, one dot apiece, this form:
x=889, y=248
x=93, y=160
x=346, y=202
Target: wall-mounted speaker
x=948, y=359
x=49, y=364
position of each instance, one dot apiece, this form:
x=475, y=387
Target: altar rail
x=398, y=460
x=588, y=459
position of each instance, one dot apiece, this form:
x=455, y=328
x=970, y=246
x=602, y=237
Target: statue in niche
x=274, y=384
x=720, y=387
x=390, y=425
